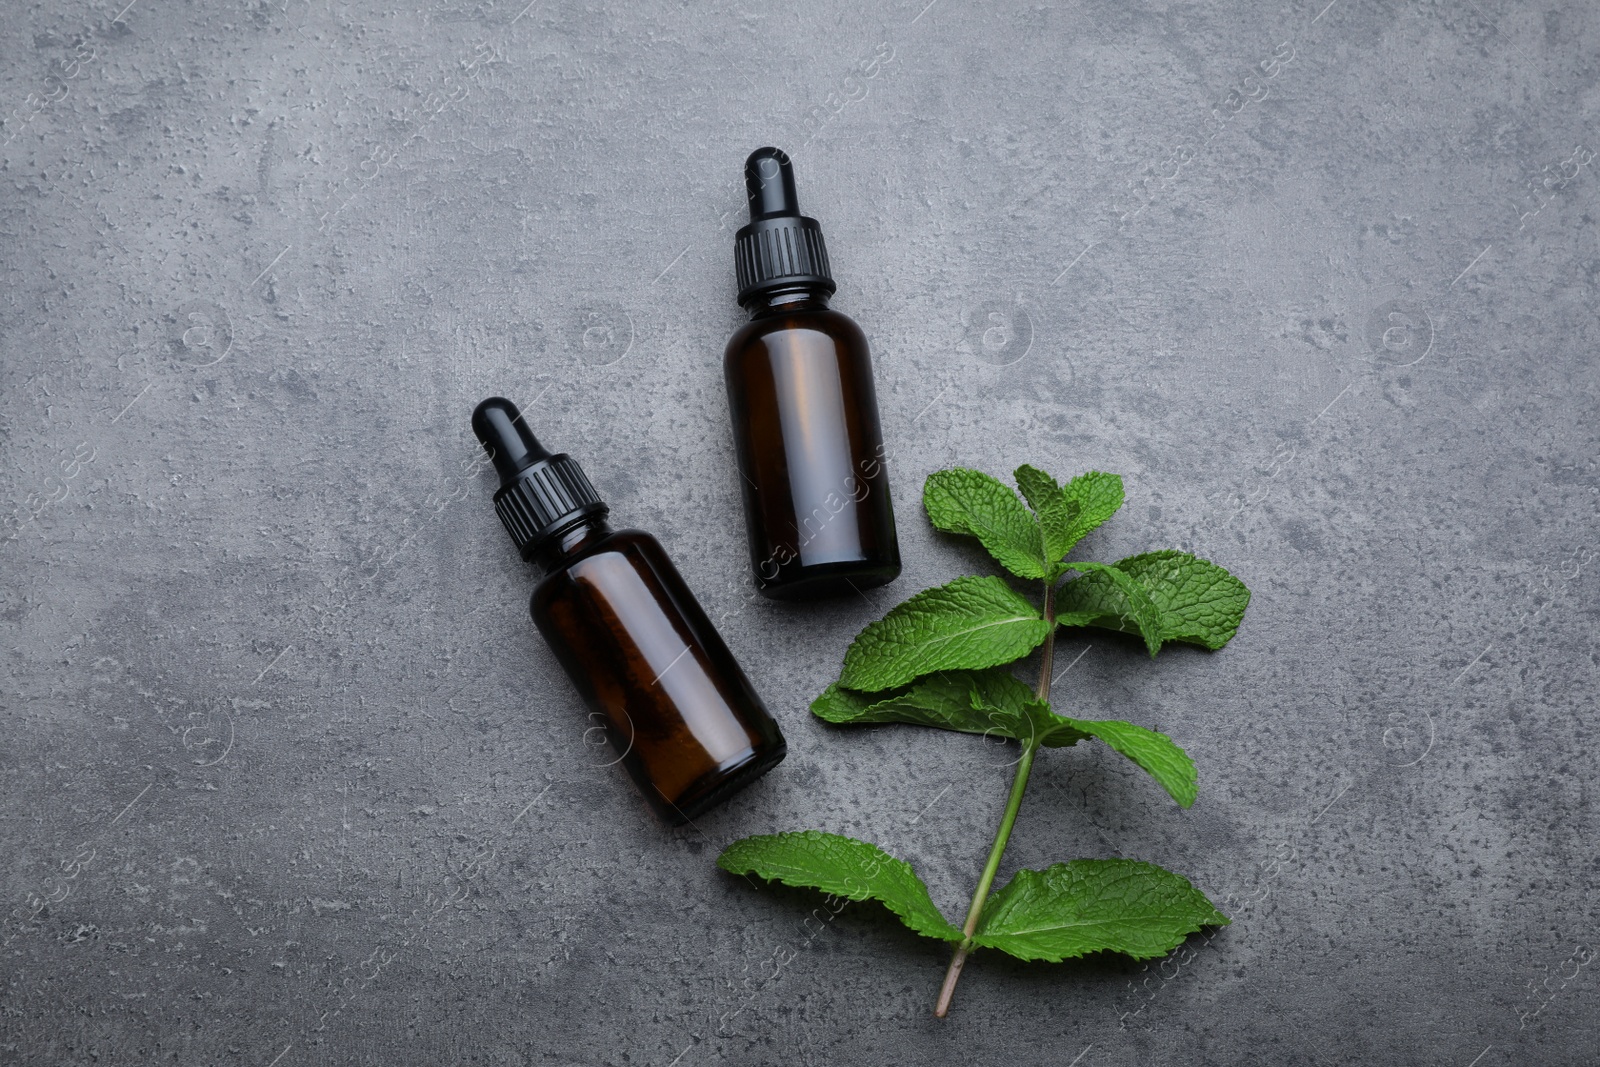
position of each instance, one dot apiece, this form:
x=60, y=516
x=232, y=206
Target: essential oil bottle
x=681, y=715
x=805, y=412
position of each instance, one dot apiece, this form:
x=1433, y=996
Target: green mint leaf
x=1068, y=513
x=1038, y=488
x=995, y=704
x=969, y=624
x=1070, y=909
x=1139, y=612
x=846, y=706
x=992, y=703
x=1159, y=755
x=1098, y=495
x=1011, y=710
x=844, y=867
x=970, y=502
x=1196, y=601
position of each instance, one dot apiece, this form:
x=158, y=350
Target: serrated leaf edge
x=1038, y=566
x=1117, y=576
x=1185, y=799
x=1032, y=614
x=947, y=933
x=981, y=940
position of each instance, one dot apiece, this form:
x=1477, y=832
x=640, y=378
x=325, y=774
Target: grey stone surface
x=288, y=777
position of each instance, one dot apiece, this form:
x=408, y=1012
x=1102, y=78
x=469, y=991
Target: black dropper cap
x=780, y=248
x=540, y=494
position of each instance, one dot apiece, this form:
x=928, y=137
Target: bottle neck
x=785, y=301
x=556, y=550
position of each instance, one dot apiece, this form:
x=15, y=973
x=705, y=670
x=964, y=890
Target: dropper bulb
x=506, y=437
x=769, y=179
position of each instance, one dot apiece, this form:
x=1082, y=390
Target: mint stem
x=1019, y=785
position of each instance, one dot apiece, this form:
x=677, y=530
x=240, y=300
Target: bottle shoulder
x=835, y=324
x=612, y=563
x=627, y=542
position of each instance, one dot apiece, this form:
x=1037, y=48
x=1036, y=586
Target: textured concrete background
x=288, y=777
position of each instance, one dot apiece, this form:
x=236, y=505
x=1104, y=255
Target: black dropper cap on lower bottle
x=540, y=494
x=779, y=248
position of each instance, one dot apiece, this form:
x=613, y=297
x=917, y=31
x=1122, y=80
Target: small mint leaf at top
x=992, y=703
x=969, y=624
x=1159, y=755
x=1071, y=909
x=1196, y=601
x=843, y=867
x=1139, y=613
x=1038, y=488
x=1068, y=513
x=970, y=502
x=1055, y=513
x=1098, y=495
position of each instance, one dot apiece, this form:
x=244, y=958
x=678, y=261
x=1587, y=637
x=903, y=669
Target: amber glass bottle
x=681, y=715
x=805, y=413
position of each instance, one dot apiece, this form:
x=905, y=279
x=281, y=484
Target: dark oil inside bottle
x=810, y=449
x=675, y=704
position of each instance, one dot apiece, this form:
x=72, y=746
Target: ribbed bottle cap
x=540, y=494
x=779, y=248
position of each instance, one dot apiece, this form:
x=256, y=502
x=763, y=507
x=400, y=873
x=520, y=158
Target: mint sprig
x=938, y=660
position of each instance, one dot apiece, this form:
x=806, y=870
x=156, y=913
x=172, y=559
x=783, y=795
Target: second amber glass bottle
x=805, y=411
x=679, y=712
